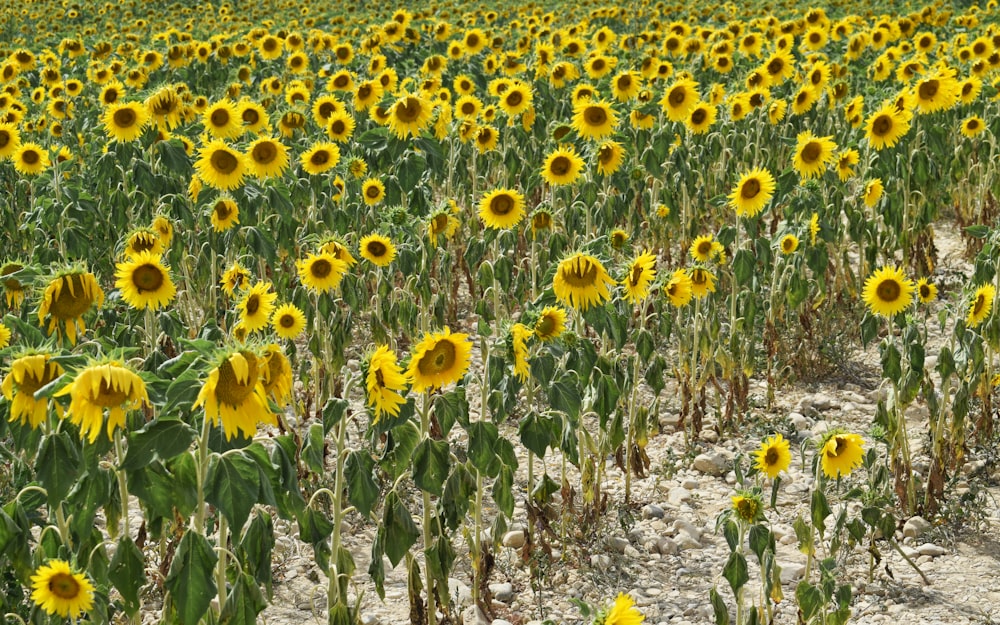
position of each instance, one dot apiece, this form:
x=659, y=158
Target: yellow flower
x=4, y=336
x=594, y=119
x=56, y=589
x=886, y=126
x=610, y=156
x=67, y=298
x=704, y=247
x=773, y=456
x=982, y=304
x=276, y=374
x=679, y=289
x=288, y=321
x=624, y=612
x=320, y=158
x=234, y=394
x=501, y=208
x=551, y=323
x=125, y=122
x=10, y=140
x=640, y=275
x=409, y=115
x=105, y=386
x=256, y=307
x=225, y=214
x=887, y=292
x=701, y=118
x=702, y=282
x=845, y=164
x=30, y=159
x=972, y=126
x=27, y=375
x=926, y=291
x=439, y=359
x=222, y=120
x=442, y=223
x=581, y=281
x=373, y=191
x=384, y=382
x=266, y=158
x=812, y=154
x=144, y=282
x=220, y=166
x=789, y=243
x=873, y=192
x=748, y=507
x=520, y=334
x=841, y=453
x=378, y=249
x=234, y=279
x=679, y=99
x=321, y=272
x=563, y=166
x=752, y=192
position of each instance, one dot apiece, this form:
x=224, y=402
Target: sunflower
x=752, y=192
x=256, y=306
x=220, y=166
x=288, y=321
x=266, y=158
x=320, y=157
x=594, y=119
x=886, y=126
x=103, y=386
x=704, y=247
x=234, y=394
x=165, y=229
x=234, y=279
x=68, y=296
x=774, y=456
x=845, y=164
x=812, y=154
x=367, y=93
x=581, y=280
x=972, y=126
x=321, y=272
x=338, y=250
x=56, y=589
x=937, y=91
x=276, y=374
x=439, y=359
x=982, y=304
x=562, y=167
x=640, y=274
x=679, y=99
x=516, y=100
x=340, y=127
x=13, y=289
x=748, y=507
x=409, y=115
x=679, y=288
x=926, y=291
x=887, y=292
x=873, y=192
x=779, y=66
x=225, y=214
x=125, y=121
x=776, y=111
x=442, y=223
x=4, y=336
x=373, y=191
x=610, y=156
x=501, y=208
x=625, y=85
x=378, y=249
x=27, y=375
x=252, y=116
x=841, y=453
x=10, y=140
x=384, y=381
x=31, y=159
x=624, y=612
x=144, y=282
x=702, y=282
x=701, y=118
x=789, y=243
x=222, y=120
x=551, y=323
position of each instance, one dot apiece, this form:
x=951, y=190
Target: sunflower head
x=104, y=386
x=288, y=321
x=748, y=508
x=752, y=193
x=439, y=359
x=502, y=208
x=234, y=393
x=144, y=281
x=562, y=167
x=679, y=288
x=256, y=306
x=887, y=292
x=551, y=323
x=69, y=295
x=385, y=382
x=581, y=281
x=773, y=456
x=378, y=249
x=58, y=590
x=981, y=306
x=840, y=453
x=321, y=272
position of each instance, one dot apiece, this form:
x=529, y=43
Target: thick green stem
x=220, y=568
x=425, y=427
x=333, y=596
x=120, y=473
x=202, y=458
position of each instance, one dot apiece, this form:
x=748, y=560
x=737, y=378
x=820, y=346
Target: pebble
x=691, y=484
x=678, y=495
x=667, y=547
x=799, y=421
x=716, y=463
x=370, y=619
x=618, y=544
x=513, y=539
x=686, y=541
x=503, y=591
x=915, y=527
x=600, y=561
x=932, y=550
x=791, y=572
x=652, y=511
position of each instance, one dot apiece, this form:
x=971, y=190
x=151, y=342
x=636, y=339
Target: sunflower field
x=332, y=264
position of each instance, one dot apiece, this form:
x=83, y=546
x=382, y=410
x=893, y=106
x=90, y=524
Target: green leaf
x=400, y=531
x=891, y=362
x=451, y=408
x=256, y=547
x=503, y=491
x=819, y=509
x=402, y=440
x=483, y=438
x=431, y=460
x=8, y=531
x=644, y=344
x=809, y=598
x=128, y=572
x=190, y=580
x=333, y=411
x=761, y=539
x=314, y=448
x=58, y=466
x=315, y=528
x=743, y=266
x=232, y=487
x=978, y=231
x=719, y=608
x=243, y=603
x=459, y=492
x=163, y=438
x=735, y=571
x=544, y=489
x=362, y=491
x=804, y=534
x=564, y=395
x=535, y=433
x=286, y=488
x=606, y=394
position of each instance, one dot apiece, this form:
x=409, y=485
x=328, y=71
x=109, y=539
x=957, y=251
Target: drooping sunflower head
x=385, y=382
x=276, y=374
x=338, y=249
x=981, y=306
x=321, y=272
x=439, y=359
x=887, y=292
x=551, y=323
x=57, y=590
x=679, y=288
x=541, y=219
x=501, y=208
x=752, y=192
x=142, y=240
x=144, y=281
x=256, y=306
x=378, y=249
x=773, y=456
x=442, y=223
x=840, y=453
x=581, y=281
x=873, y=192
x=105, y=386
x=68, y=296
x=639, y=276
x=234, y=394
x=13, y=288
x=164, y=228
x=29, y=373
x=618, y=238
x=234, y=279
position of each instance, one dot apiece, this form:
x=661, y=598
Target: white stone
x=799, y=421
x=932, y=550
x=459, y=591
x=503, y=591
x=513, y=539
x=678, y=495
x=791, y=572
x=618, y=544
x=915, y=527
x=716, y=463
x=652, y=511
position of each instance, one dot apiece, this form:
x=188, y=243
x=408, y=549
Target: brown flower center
x=750, y=189
x=437, y=360
x=72, y=300
x=887, y=291
x=64, y=586
x=376, y=248
x=229, y=390
x=409, y=110
x=811, y=152
x=147, y=277
x=224, y=162
x=560, y=165
x=321, y=268
x=264, y=153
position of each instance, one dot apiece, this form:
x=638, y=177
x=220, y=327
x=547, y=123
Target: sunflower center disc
x=253, y=304
x=338, y=127
x=30, y=157
x=624, y=83
x=286, y=321
x=515, y=98
x=409, y=111
x=928, y=89
x=219, y=118
x=125, y=118
x=595, y=116
x=560, y=165
x=979, y=304
x=438, y=224
x=750, y=189
x=373, y=192
x=250, y=117
x=108, y=396
x=811, y=152
x=4, y=138
x=698, y=116
x=71, y=302
x=376, y=249
x=224, y=162
x=882, y=125
x=222, y=211
x=677, y=96
x=64, y=586
x=771, y=457
x=888, y=291
x=231, y=391
x=546, y=325
x=321, y=268
x=320, y=157
x=501, y=205
x=775, y=67
x=841, y=446
x=439, y=359
x=147, y=278
x=264, y=153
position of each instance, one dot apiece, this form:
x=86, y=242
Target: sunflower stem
x=120, y=473
x=425, y=426
x=202, y=458
x=220, y=570
x=333, y=597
